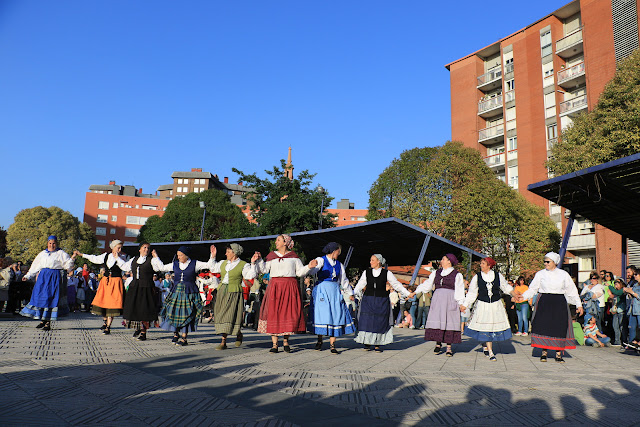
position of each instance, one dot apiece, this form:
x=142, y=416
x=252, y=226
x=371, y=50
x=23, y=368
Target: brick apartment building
x=511, y=99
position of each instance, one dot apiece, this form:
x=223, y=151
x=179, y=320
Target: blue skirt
x=328, y=313
x=375, y=314
x=49, y=296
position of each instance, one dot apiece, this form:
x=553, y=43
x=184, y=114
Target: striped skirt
x=228, y=310
x=181, y=309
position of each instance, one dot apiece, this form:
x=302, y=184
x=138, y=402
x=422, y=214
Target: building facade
x=510, y=101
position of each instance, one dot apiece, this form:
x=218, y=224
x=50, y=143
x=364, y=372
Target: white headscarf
x=553, y=257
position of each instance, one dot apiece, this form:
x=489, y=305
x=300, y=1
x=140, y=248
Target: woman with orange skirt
x=108, y=301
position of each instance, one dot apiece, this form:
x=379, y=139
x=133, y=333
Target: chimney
x=140, y=191
x=112, y=183
x=196, y=169
x=226, y=179
x=240, y=183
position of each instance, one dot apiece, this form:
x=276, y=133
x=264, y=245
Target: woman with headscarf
x=229, y=305
x=183, y=305
x=49, y=297
x=375, y=317
x=109, y=299
x=489, y=321
x=551, y=325
x=140, y=308
x=281, y=309
x=328, y=312
x=443, y=322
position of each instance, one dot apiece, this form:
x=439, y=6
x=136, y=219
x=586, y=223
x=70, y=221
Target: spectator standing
x=633, y=309
x=423, y=303
x=597, y=294
x=72, y=290
x=618, y=308
x=522, y=308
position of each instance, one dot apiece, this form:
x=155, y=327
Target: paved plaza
x=76, y=375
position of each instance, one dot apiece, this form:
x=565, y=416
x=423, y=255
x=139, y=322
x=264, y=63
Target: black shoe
x=107, y=330
x=273, y=350
x=485, y=351
x=559, y=359
x=377, y=350
x=334, y=351
x=103, y=327
x=287, y=349
x=543, y=358
x=449, y=353
x=175, y=339
x=182, y=342
x=47, y=327
x=367, y=347
x=318, y=345
x=136, y=333
x=41, y=325
x=142, y=336
x=437, y=349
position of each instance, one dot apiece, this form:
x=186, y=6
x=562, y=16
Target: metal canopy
x=399, y=242
x=607, y=194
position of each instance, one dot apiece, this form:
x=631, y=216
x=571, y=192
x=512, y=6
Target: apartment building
x=510, y=101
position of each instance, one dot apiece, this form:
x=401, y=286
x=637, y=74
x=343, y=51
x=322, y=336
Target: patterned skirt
x=181, y=309
x=228, y=310
x=551, y=325
x=281, y=309
x=49, y=297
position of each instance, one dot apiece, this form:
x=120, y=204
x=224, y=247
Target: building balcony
x=547, y=81
x=490, y=107
x=572, y=76
x=508, y=68
x=495, y=161
x=491, y=135
x=512, y=155
x=573, y=106
x=509, y=96
x=581, y=242
x=491, y=80
x=570, y=45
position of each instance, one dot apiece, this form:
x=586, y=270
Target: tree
x=608, y=132
x=283, y=205
x=182, y=220
x=394, y=192
x=458, y=197
x=27, y=236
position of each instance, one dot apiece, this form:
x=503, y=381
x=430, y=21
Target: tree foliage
x=27, y=236
x=283, y=205
x=608, y=132
x=182, y=220
x=458, y=197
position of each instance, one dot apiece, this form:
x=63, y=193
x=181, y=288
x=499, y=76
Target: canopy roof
x=607, y=194
x=399, y=242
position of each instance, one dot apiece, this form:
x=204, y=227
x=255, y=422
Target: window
x=512, y=143
x=101, y=231
x=545, y=43
x=112, y=231
x=509, y=85
x=136, y=220
x=131, y=232
x=179, y=180
x=186, y=181
x=114, y=218
x=552, y=131
x=149, y=207
x=137, y=206
x=102, y=218
x=103, y=205
x=115, y=205
x=101, y=244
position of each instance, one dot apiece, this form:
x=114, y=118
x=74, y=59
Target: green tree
x=283, y=205
x=182, y=220
x=27, y=236
x=608, y=132
x=394, y=193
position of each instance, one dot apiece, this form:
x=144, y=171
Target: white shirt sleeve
x=427, y=285
x=318, y=267
x=301, y=270
x=96, y=259
x=504, y=286
x=395, y=284
x=159, y=266
x=361, y=283
x=571, y=292
x=534, y=286
x=344, y=282
x=249, y=271
x=66, y=260
x=36, y=266
x=262, y=266
x=472, y=293
x=126, y=266
x=208, y=265
x=458, y=293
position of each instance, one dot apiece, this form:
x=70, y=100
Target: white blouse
x=111, y=260
x=183, y=265
x=57, y=260
x=458, y=293
x=556, y=281
x=248, y=271
x=597, y=289
x=342, y=280
x=472, y=293
x=285, y=267
x=156, y=264
x=395, y=284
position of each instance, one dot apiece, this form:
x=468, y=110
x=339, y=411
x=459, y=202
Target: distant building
x=347, y=214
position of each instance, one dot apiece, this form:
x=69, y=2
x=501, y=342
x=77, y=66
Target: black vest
x=142, y=273
x=483, y=293
x=376, y=286
x=114, y=271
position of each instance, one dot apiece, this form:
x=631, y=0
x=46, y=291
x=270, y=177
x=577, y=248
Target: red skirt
x=281, y=308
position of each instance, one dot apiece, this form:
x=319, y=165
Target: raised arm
x=427, y=285
x=96, y=259
x=395, y=284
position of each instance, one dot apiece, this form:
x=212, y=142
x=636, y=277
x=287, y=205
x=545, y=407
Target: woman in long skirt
x=183, y=305
x=443, y=322
x=328, y=312
x=489, y=321
x=140, y=310
x=229, y=305
x=281, y=309
x=375, y=317
x=109, y=298
x=49, y=297
x=551, y=325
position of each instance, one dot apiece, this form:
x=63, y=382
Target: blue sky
x=93, y=91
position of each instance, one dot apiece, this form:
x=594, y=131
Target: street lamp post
x=320, y=191
x=204, y=214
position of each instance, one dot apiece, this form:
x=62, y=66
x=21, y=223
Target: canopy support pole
x=420, y=257
x=348, y=258
x=565, y=238
x=623, y=259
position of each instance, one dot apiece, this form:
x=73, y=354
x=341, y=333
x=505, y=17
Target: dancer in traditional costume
x=49, y=297
x=328, y=312
x=281, y=309
x=551, y=325
x=109, y=299
x=443, y=322
x=140, y=310
x=229, y=305
x=183, y=305
x=489, y=321
x=375, y=318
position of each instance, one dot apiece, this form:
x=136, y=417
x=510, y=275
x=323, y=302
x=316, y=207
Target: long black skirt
x=551, y=326
x=140, y=303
